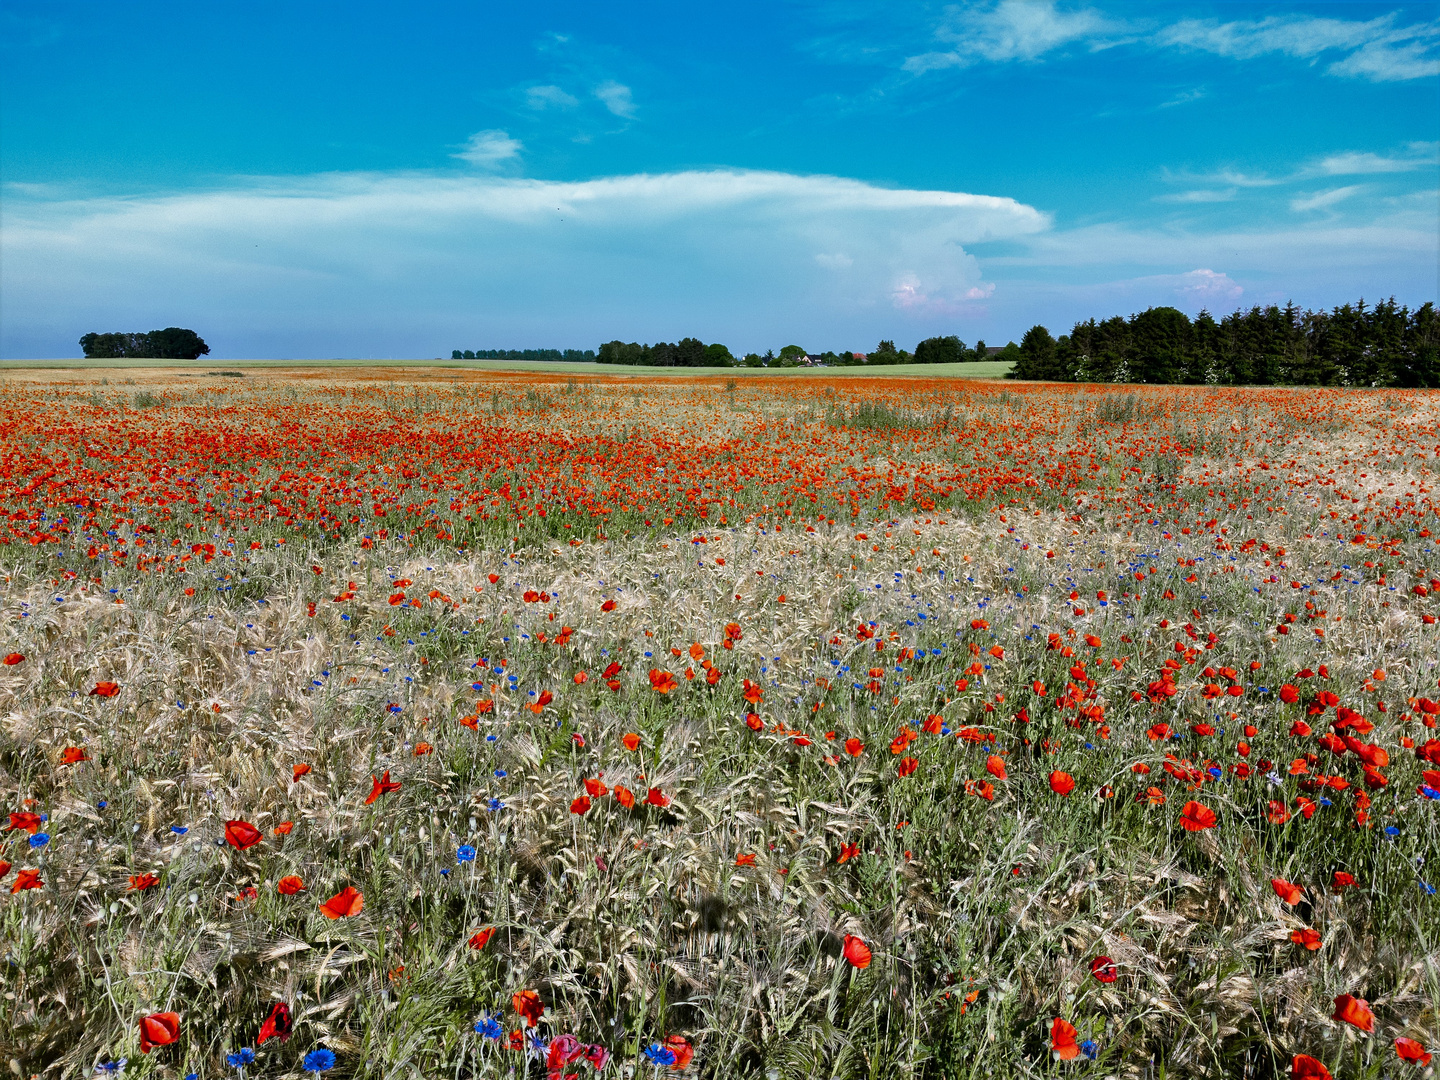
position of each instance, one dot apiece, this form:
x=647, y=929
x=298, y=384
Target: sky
x=380, y=180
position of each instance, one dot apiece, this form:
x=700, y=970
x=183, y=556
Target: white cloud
x=489, y=148
x=1205, y=287
x=1379, y=50
x=343, y=263
x=1010, y=30
x=1323, y=200
x=1420, y=156
x=1200, y=195
x=542, y=97
x=617, y=98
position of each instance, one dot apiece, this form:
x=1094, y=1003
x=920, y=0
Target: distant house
x=994, y=350
x=812, y=361
x=858, y=356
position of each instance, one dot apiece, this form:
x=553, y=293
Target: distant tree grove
x=692, y=352
x=1351, y=345
x=172, y=343
x=578, y=356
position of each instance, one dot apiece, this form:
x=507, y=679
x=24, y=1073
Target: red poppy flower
x=290, y=884
x=277, y=1025
x=1355, y=1011
x=1195, y=817
x=107, y=689
x=481, y=938
x=423, y=748
x=745, y=860
x=630, y=740
x=1411, y=1051
x=1305, y=1067
x=857, y=953
x=608, y=605
x=1307, y=937
x=26, y=879
x=11, y=659
x=595, y=789
x=624, y=796
x=298, y=771
x=141, y=882
x=662, y=681
x=681, y=1048
x=383, y=786
x=854, y=747
x=348, y=901
x=242, y=835
x=1103, y=968
x=528, y=1004
x=656, y=797
x=580, y=805
x=753, y=692
x=158, y=1029
x=4, y=867
x=284, y=828
x=1062, y=1040
x=1287, y=891
x=1062, y=783
x=24, y=819
x=907, y=766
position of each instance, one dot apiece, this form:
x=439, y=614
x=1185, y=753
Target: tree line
x=1351, y=345
x=172, y=343
x=577, y=356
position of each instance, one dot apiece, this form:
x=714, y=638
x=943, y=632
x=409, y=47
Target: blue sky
x=375, y=180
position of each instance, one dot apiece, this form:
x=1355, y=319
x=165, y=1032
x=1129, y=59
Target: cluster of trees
x=1351, y=345
x=576, y=356
x=172, y=343
x=687, y=352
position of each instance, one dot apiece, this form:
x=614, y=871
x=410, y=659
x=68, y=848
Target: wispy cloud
x=1417, y=155
x=544, y=97
x=1010, y=30
x=1200, y=195
x=617, y=98
x=1323, y=200
x=489, y=148
x=1380, y=49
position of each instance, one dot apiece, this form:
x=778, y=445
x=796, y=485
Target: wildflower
x=1355, y=1011
x=242, y=1057
x=299, y=771
x=1411, y=1051
x=465, y=853
x=73, y=755
x=289, y=885
x=158, y=1029
x=348, y=901
x=1304, y=1067
x=1103, y=968
x=1287, y=891
x=242, y=835
x=277, y=1024
x=1195, y=817
x=1306, y=937
x=1062, y=783
x=383, y=786
x=39, y=840
x=528, y=1004
x=489, y=1027
x=26, y=879
x=1062, y=1040
x=107, y=690
x=655, y=797
x=857, y=953
x=11, y=659
x=631, y=741
x=179, y=830
x=112, y=1068
x=318, y=1061
x=481, y=938
x=141, y=882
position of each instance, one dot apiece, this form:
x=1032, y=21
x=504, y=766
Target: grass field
x=412, y=369
x=720, y=727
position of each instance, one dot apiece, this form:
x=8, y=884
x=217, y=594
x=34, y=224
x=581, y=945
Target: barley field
x=357, y=723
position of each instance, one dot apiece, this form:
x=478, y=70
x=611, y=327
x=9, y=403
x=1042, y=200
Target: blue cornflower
x=110, y=1068
x=660, y=1055
x=318, y=1061
x=101, y=804
x=179, y=830
x=1429, y=889
x=494, y=804
x=445, y=871
x=1429, y=792
x=1090, y=1049
x=242, y=1057
x=465, y=853
x=192, y=1076
x=1392, y=830
x=489, y=1027
x=492, y=738
x=40, y=839
x=500, y=774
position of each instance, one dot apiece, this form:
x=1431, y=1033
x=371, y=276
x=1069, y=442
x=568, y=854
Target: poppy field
x=487, y=725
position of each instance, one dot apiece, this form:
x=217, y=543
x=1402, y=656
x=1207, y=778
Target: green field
x=989, y=369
